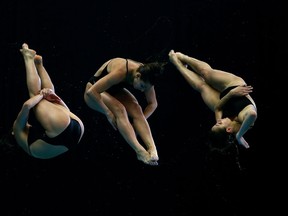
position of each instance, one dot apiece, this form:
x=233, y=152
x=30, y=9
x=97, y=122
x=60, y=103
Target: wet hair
x=8, y=144
x=150, y=72
x=223, y=150
x=221, y=139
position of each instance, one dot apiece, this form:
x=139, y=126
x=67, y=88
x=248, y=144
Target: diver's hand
x=241, y=91
x=242, y=141
x=50, y=95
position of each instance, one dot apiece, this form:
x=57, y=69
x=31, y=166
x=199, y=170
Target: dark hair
x=150, y=72
x=8, y=144
x=221, y=139
x=223, y=149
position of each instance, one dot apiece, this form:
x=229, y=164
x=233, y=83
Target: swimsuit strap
x=126, y=67
x=126, y=70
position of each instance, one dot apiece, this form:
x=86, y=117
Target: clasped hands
x=50, y=95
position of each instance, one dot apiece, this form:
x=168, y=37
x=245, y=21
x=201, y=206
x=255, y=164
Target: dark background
x=103, y=176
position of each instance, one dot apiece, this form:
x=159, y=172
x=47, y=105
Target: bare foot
x=180, y=55
x=146, y=158
x=26, y=52
x=174, y=58
x=154, y=155
x=38, y=60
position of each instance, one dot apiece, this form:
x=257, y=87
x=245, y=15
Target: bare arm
x=21, y=123
x=218, y=114
x=114, y=77
x=22, y=117
x=151, y=102
x=111, y=79
x=51, y=96
x=249, y=119
x=236, y=92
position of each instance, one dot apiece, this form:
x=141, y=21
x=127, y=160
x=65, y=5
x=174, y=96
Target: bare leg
x=142, y=128
x=194, y=80
x=123, y=125
x=218, y=79
x=127, y=131
x=32, y=77
x=209, y=95
x=44, y=76
x=140, y=124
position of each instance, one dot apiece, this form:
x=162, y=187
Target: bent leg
x=210, y=96
x=127, y=131
x=32, y=78
x=140, y=123
x=123, y=125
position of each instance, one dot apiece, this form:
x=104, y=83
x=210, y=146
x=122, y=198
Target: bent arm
x=51, y=96
x=248, y=121
x=57, y=99
x=103, y=84
x=114, y=77
x=22, y=118
x=152, y=103
x=239, y=91
x=94, y=93
x=218, y=107
x=218, y=114
x=31, y=102
x=21, y=123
